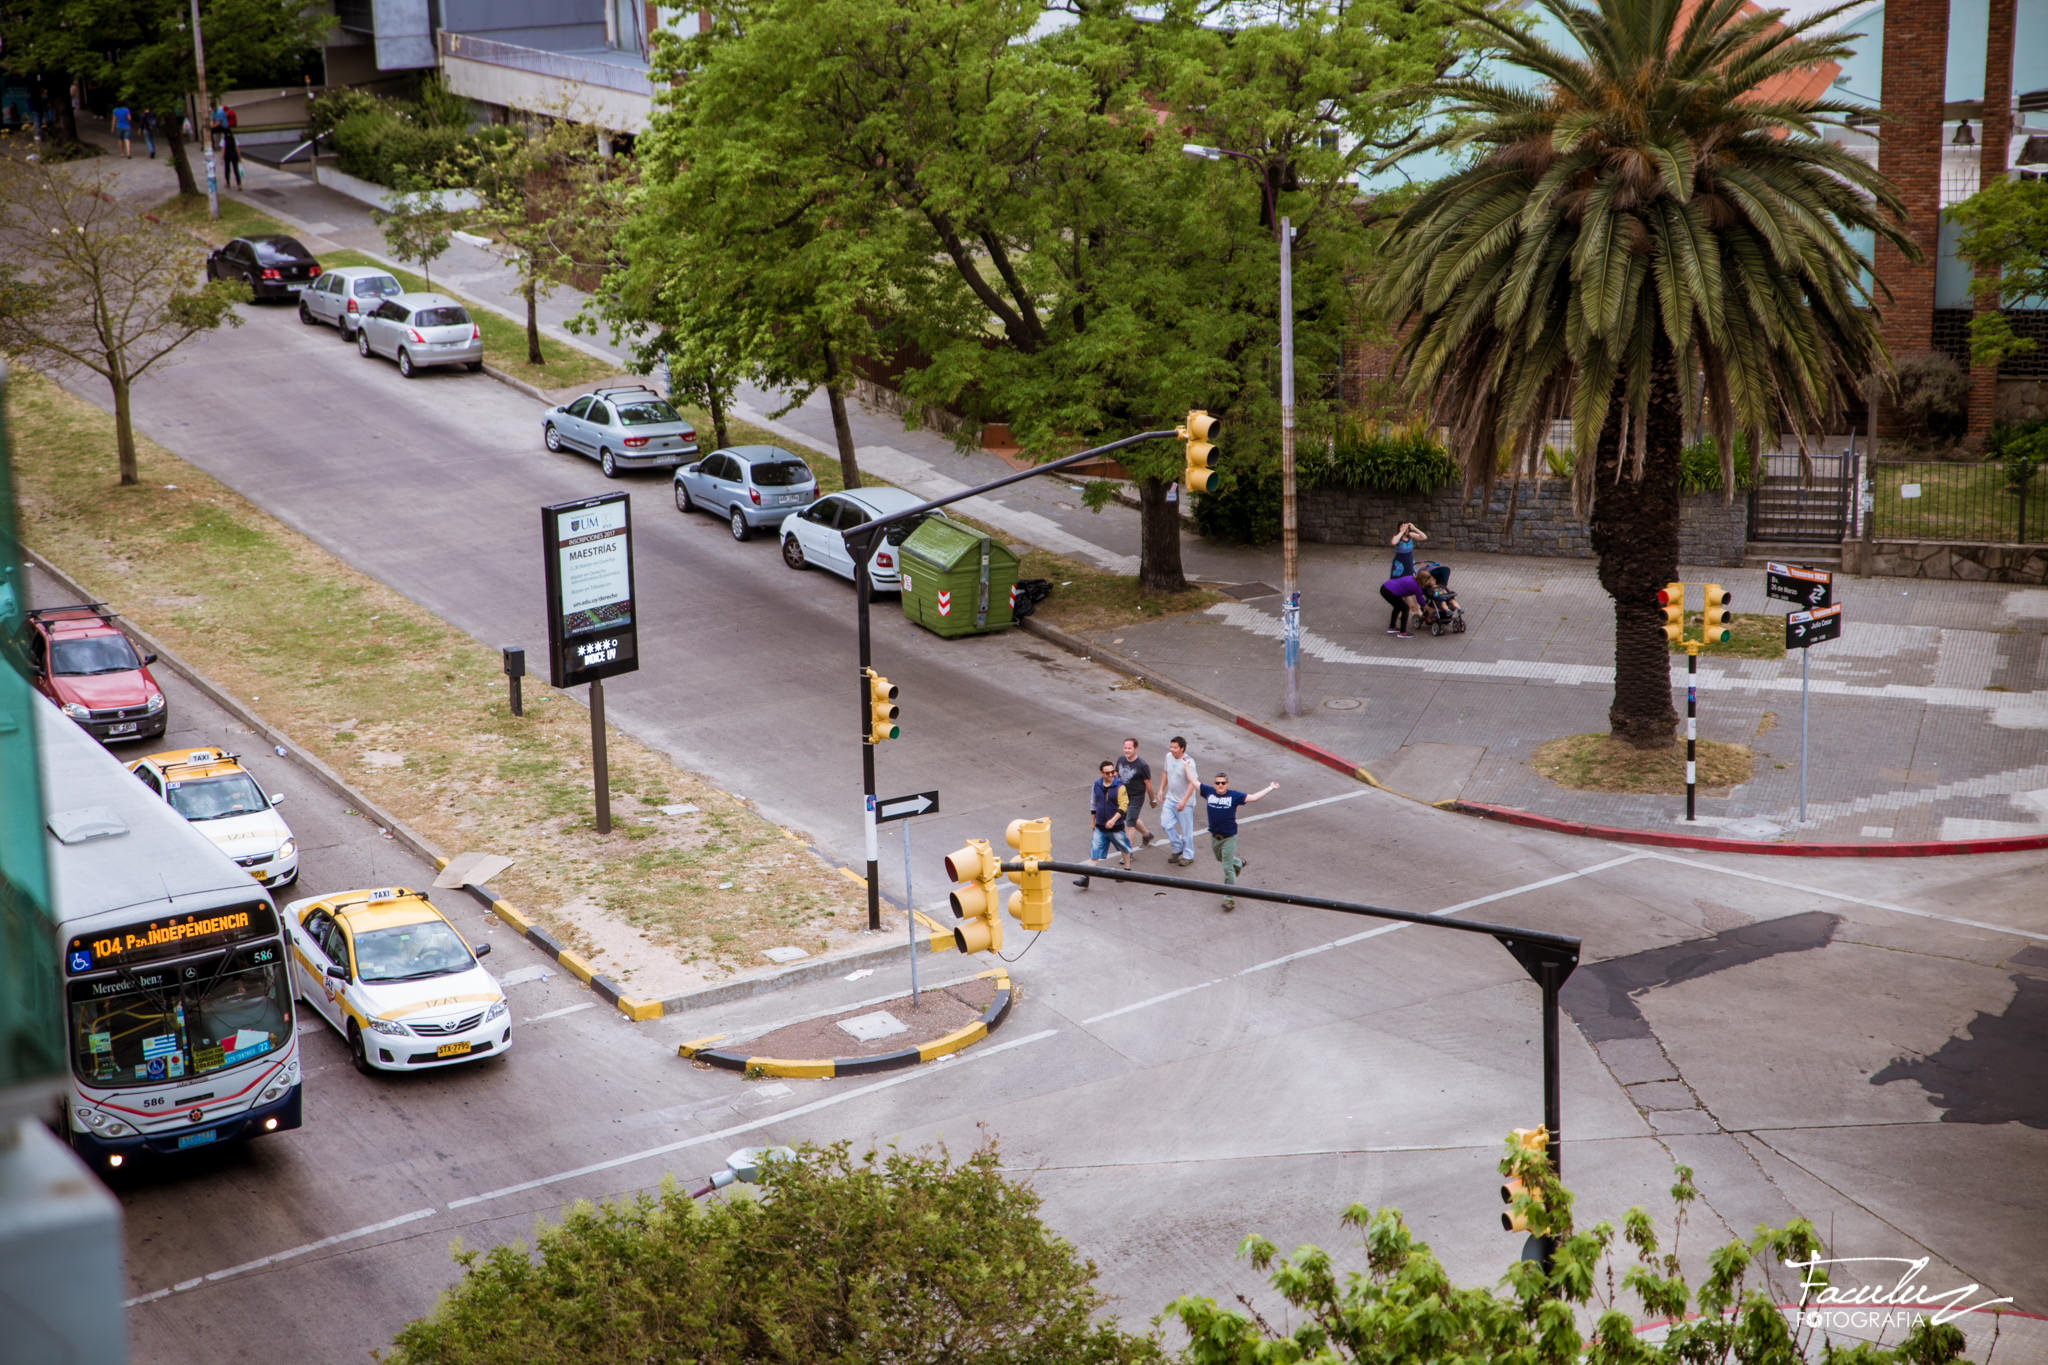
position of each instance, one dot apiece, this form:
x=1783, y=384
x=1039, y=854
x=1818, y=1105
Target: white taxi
x=396, y=980
x=212, y=789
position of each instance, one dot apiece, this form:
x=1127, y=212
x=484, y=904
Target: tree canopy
x=2005, y=229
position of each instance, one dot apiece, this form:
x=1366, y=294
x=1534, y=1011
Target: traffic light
x=1032, y=905
x=1672, y=599
x=1200, y=474
x=1534, y=1141
x=974, y=901
x=1715, y=624
x=881, y=707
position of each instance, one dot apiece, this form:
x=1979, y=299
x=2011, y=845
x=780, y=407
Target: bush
x=1244, y=508
x=1699, y=466
x=1380, y=460
x=1933, y=392
x=330, y=107
x=402, y=147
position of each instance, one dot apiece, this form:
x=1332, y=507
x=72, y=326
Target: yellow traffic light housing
x=1032, y=905
x=1517, y=1194
x=1200, y=474
x=1715, y=626
x=882, y=710
x=1672, y=599
x=974, y=901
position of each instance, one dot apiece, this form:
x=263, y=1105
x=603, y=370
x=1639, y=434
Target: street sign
x=1810, y=588
x=903, y=807
x=1803, y=628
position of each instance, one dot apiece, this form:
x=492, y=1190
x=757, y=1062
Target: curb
x=749, y=1066
x=1925, y=848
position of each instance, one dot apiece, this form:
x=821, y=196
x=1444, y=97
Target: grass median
x=414, y=712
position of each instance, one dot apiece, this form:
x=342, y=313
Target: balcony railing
x=581, y=68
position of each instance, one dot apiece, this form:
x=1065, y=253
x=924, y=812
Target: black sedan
x=273, y=265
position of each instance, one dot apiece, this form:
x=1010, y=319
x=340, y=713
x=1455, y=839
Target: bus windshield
x=182, y=1021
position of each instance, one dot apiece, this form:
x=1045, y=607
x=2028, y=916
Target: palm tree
x=1655, y=228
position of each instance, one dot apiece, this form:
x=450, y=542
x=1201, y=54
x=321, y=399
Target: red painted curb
x=1302, y=747
x=1931, y=848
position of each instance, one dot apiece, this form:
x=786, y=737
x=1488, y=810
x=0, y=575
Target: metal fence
x=1956, y=500
x=616, y=71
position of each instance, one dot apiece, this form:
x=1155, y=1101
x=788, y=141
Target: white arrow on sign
x=903, y=807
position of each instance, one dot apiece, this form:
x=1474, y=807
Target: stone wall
x=1711, y=531
x=1944, y=559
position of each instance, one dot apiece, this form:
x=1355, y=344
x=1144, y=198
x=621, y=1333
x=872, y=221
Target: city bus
x=178, y=1009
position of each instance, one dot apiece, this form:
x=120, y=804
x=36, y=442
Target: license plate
x=451, y=1049
x=295, y=285
x=126, y=727
x=198, y=1139
x=260, y=876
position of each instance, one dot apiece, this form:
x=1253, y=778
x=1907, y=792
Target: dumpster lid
x=946, y=543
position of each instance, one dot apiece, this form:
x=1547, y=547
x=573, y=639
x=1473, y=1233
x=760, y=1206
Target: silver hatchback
x=340, y=297
x=749, y=486
x=418, y=330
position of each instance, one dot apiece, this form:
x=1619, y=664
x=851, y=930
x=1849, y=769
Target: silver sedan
x=624, y=427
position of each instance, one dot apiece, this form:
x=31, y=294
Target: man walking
x=124, y=124
x=230, y=159
x=1177, y=802
x=1136, y=775
x=1107, y=802
x=149, y=132
x=1223, y=804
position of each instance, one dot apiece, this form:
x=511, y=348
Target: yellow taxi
x=396, y=980
x=212, y=789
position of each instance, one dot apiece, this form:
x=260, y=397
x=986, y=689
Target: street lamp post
x=205, y=133
x=1290, y=536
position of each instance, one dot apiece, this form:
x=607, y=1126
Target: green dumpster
x=957, y=581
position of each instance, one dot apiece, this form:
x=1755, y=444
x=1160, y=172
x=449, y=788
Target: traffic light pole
x=1692, y=724
x=1548, y=959
x=860, y=543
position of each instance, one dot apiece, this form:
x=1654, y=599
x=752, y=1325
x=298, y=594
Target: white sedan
x=396, y=980
x=814, y=537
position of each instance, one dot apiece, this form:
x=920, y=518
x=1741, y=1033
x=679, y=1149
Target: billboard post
x=593, y=630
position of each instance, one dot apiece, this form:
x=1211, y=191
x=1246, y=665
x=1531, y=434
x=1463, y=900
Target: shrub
x=1245, y=506
x=332, y=106
x=1380, y=460
x=1933, y=392
x=383, y=143
x=1699, y=466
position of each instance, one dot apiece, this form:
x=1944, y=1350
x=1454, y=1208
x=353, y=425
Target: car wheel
x=738, y=522
x=683, y=503
x=607, y=464
x=357, y=1052
x=306, y=314
x=405, y=366
x=362, y=343
x=473, y=365
x=792, y=553
x=551, y=438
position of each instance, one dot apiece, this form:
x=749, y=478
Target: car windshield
x=406, y=952
x=215, y=798
x=284, y=249
x=450, y=316
x=93, y=654
x=381, y=285
x=645, y=411
x=781, y=474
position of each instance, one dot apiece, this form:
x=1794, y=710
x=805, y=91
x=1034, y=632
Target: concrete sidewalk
x=1928, y=720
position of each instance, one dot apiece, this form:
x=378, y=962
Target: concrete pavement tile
x=1635, y=1060
x=1732, y=1187
x=1662, y=1095
x=1672, y=1122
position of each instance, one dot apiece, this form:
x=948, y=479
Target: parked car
x=625, y=426
x=79, y=659
x=812, y=537
x=341, y=296
x=212, y=789
x=750, y=486
x=273, y=265
x=418, y=330
x=396, y=980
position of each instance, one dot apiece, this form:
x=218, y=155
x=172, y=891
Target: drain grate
x=1244, y=592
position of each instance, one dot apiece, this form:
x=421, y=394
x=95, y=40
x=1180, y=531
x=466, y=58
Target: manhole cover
x=1342, y=704
x=1244, y=592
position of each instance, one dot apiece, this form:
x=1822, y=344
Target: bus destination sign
x=173, y=936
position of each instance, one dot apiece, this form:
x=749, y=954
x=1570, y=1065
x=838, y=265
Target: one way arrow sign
x=903, y=807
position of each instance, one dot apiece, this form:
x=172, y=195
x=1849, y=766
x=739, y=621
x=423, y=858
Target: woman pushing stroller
x=1404, y=594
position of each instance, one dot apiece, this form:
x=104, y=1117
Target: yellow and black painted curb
x=570, y=961
x=700, y=1049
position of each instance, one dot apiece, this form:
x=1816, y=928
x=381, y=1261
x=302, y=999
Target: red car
x=80, y=660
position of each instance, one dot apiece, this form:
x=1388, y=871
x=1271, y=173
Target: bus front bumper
x=105, y=1152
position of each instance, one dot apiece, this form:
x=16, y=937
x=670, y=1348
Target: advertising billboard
x=592, y=630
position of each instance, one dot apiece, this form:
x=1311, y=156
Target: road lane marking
x=1153, y=1000
x=647, y=1154
x=262, y=1261
x=1306, y=805
x=566, y=1009
x=1801, y=887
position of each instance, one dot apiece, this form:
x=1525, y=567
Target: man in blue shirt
x=1223, y=804
x=1108, y=804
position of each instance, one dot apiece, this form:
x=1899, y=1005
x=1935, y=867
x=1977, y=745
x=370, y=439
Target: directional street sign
x=1803, y=628
x=1810, y=588
x=903, y=807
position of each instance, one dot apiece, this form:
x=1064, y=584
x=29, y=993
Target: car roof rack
x=97, y=610
x=608, y=389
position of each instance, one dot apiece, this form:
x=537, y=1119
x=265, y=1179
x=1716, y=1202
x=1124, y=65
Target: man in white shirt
x=1176, y=803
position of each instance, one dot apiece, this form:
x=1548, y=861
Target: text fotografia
x=1822, y=1304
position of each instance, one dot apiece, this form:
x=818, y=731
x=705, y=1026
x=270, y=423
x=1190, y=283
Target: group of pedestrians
x=1125, y=785
x=1405, y=588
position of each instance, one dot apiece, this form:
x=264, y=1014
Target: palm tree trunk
x=1635, y=534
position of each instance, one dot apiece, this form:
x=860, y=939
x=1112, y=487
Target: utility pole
x=205, y=131
x=1290, y=535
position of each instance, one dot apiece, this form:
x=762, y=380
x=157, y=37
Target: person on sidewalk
x=124, y=127
x=230, y=159
x=149, y=132
x=1403, y=594
x=1223, y=804
x=1177, y=802
x=1107, y=802
x=1404, y=542
x=1136, y=775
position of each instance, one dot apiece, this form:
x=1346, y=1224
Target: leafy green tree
x=1405, y=1310
x=892, y=1257
x=87, y=281
x=1649, y=229
x=417, y=228
x=2004, y=230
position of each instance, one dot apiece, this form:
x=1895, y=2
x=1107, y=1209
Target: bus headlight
x=287, y=1077
x=103, y=1123
x=496, y=1011
x=389, y=1026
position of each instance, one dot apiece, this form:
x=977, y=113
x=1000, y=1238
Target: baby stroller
x=1440, y=609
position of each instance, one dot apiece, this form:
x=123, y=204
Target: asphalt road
x=1846, y=1041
